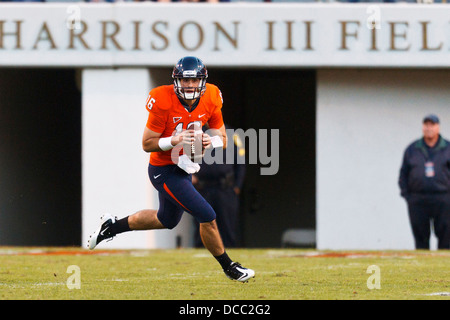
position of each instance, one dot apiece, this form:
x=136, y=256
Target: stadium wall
x=365, y=120
x=380, y=68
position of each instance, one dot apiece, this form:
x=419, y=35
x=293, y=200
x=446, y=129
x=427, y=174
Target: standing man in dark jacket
x=425, y=184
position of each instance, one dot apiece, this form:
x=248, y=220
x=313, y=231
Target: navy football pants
x=176, y=195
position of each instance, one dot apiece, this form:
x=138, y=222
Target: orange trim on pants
x=175, y=198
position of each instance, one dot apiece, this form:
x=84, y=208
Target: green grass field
x=192, y=274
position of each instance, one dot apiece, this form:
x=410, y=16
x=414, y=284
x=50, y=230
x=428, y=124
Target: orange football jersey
x=168, y=116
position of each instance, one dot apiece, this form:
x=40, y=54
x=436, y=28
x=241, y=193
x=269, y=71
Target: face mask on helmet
x=189, y=68
x=189, y=92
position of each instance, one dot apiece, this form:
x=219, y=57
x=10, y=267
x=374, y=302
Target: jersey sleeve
x=216, y=119
x=156, y=117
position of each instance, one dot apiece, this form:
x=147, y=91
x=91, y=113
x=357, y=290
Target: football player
x=172, y=108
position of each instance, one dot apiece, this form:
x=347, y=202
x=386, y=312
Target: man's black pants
x=424, y=209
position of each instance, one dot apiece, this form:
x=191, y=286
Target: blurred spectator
x=425, y=184
x=221, y=185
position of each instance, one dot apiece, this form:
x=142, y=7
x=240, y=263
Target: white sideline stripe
x=438, y=294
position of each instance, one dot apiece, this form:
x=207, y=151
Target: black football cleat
x=237, y=272
x=103, y=232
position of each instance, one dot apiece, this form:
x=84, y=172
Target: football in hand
x=195, y=150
